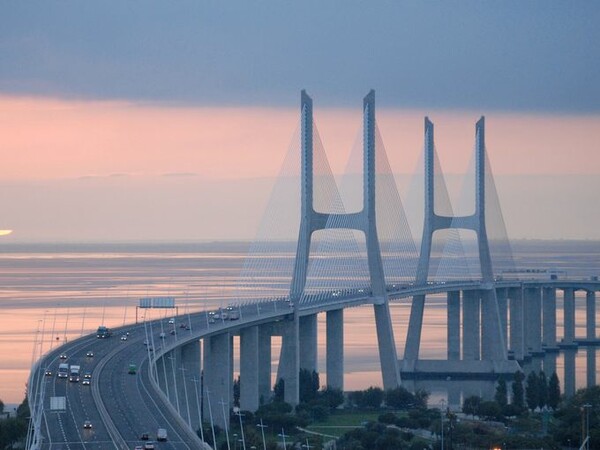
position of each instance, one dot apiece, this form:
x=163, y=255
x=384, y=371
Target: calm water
x=53, y=293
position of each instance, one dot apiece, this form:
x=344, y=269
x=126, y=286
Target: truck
x=161, y=434
x=74, y=372
x=103, y=332
x=132, y=370
x=63, y=370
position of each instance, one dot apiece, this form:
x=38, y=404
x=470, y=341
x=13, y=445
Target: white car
x=90, y=354
x=87, y=424
x=124, y=337
x=86, y=382
x=171, y=320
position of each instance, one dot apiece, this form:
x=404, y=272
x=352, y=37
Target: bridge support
x=590, y=322
x=569, y=317
x=189, y=375
x=218, y=374
x=335, y=349
x=471, y=314
x=549, y=320
x=517, y=330
x=308, y=342
x=249, y=394
x=494, y=336
x=364, y=221
x=264, y=363
x=289, y=361
x=453, y=327
x=533, y=319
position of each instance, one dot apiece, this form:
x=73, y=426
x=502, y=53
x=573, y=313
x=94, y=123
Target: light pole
x=198, y=401
x=442, y=407
x=586, y=408
x=238, y=413
x=262, y=431
x=307, y=446
x=172, y=358
x=187, y=402
x=282, y=435
x=223, y=403
x=212, y=422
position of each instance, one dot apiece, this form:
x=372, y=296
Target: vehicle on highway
x=132, y=370
x=138, y=447
x=124, y=337
x=90, y=354
x=171, y=320
x=233, y=313
x=74, y=373
x=172, y=332
x=63, y=356
x=161, y=434
x=87, y=424
x=211, y=317
x=162, y=335
x=63, y=370
x=86, y=382
x=144, y=436
x=149, y=445
x=103, y=332
x=87, y=375
x=48, y=373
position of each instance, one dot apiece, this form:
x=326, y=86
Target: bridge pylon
x=364, y=220
x=494, y=340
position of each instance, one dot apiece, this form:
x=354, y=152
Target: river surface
x=50, y=293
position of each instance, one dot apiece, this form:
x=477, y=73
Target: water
x=52, y=293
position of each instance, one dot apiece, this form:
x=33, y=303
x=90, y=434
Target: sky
x=170, y=121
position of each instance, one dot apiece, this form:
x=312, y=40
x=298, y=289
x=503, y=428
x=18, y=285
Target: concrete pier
x=517, y=331
x=289, y=361
x=569, y=317
x=502, y=299
x=549, y=320
x=453, y=325
x=591, y=367
x=218, y=376
x=308, y=342
x=569, y=375
x=471, y=313
x=264, y=363
x=335, y=349
x=249, y=394
x=590, y=322
x=533, y=320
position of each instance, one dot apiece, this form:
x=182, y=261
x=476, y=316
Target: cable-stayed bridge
x=351, y=251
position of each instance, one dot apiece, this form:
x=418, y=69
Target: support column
x=533, y=320
x=264, y=363
x=517, y=341
x=471, y=311
x=493, y=344
x=218, y=376
x=453, y=325
x=190, y=373
x=569, y=317
x=308, y=342
x=549, y=319
x=502, y=297
x=591, y=366
x=335, y=349
x=387, y=347
x=249, y=397
x=289, y=361
x=590, y=322
x=570, y=372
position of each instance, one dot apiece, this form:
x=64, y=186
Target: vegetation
x=13, y=430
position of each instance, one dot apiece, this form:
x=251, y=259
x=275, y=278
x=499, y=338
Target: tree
x=308, y=385
x=518, y=399
x=421, y=397
x=471, y=405
x=332, y=397
x=373, y=397
x=501, y=395
x=553, y=391
x=399, y=398
x=490, y=410
x=279, y=390
x=236, y=392
x=532, y=391
x=542, y=389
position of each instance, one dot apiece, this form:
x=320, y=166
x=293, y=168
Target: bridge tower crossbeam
x=364, y=220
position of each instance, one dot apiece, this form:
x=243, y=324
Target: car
x=149, y=445
x=172, y=332
x=86, y=382
x=132, y=369
x=87, y=375
x=172, y=321
x=48, y=373
x=161, y=434
x=124, y=337
x=138, y=447
x=90, y=354
x=87, y=424
x=162, y=335
x=63, y=356
x=144, y=437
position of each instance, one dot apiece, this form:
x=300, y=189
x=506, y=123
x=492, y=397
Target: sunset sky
x=122, y=121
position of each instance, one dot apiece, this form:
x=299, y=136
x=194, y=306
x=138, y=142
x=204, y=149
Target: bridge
x=184, y=370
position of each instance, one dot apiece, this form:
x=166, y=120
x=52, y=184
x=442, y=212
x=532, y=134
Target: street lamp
x=238, y=413
x=586, y=439
x=442, y=407
x=282, y=435
x=262, y=431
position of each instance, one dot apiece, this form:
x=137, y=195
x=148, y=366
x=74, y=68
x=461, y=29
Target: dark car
x=144, y=437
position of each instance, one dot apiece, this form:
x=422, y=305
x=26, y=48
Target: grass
x=340, y=422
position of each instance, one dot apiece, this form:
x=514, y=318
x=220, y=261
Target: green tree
x=501, y=396
x=308, y=385
x=490, y=410
x=518, y=398
x=279, y=390
x=471, y=405
x=332, y=397
x=373, y=397
x=532, y=391
x=399, y=398
x=236, y=391
x=542, y=389
x=421, y=397
x=553, y=391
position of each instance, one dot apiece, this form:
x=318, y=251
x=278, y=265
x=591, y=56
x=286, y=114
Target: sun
x=5, y=232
